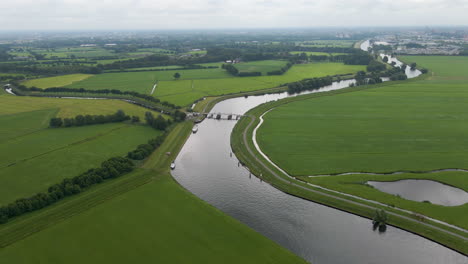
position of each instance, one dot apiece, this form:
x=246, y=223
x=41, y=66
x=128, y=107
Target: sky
x=216, y=14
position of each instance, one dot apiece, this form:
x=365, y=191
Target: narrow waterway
x=319, y=234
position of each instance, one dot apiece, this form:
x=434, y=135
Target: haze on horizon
x=213, y=14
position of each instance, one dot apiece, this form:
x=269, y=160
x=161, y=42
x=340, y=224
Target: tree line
x=21, y=88
x=83, y=120
x=309, y=84
x=109, y=169
x=144, y=150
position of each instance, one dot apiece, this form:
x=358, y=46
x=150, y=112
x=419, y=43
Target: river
x=319, y=234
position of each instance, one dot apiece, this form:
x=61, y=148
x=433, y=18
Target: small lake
x=423, y=190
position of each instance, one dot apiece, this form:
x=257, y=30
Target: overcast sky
x=200, y=14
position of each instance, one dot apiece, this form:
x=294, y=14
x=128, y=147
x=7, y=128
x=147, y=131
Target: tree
x=56, y=122
x=149, y=117
x=79, y=120
x=135, y=119
x=413, y=66
x=385, y=59
x=176, y=75
x=160, y=123
x=380, y=220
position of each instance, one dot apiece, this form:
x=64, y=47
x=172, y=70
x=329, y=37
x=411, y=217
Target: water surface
x=424, y=190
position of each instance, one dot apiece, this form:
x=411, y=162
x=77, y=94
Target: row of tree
x=111, y=168
x=83, y=120
x=159, y=122
x=282, y=70
x=309, y=84
x=21, y=88
x=144, y=150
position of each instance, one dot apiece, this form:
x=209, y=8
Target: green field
x=143, y=82
x=161, y=222
x=355, y=184
x=34, y=156
x=57, y=81
x=146, y=209
x=327, y=43
x=185, y=92
x=414, y=126
x=418, y=126
x=316, y=53
x=33, y=161
x=66, y=107
x=260, y=66
x=444, y=68
x=195, y=84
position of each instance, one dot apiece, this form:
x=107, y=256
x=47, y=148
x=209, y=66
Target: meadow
x=57, y=81
x=316, y=53
x=32, y=162
x=168, y=225
x=195, y=84
x=413, y=126
x=34, y=156
x=66, y=107
x=264, y=66
x=143, y=82
x=154, y=207
x=355, y=184
x=186, y=92
x=327, y=43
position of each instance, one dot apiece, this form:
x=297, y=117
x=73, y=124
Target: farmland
x=316, y=53
x=160, y=230
x=66, y=107
x=58, y=81
x=261, y=66
x=415, y=126
x=36, y=160
x=195, y=84
x=159, y=224
x=355, y=184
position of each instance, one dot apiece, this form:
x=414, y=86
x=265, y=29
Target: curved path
x=290, y=182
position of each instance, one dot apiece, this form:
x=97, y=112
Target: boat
x=195, y=129
x=172, y=165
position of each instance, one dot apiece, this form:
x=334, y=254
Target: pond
x=423, y=190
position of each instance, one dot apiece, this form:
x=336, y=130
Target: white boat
x=195, y=129
x=172, y=165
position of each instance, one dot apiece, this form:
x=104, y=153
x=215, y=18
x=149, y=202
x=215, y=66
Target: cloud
x=169, y=14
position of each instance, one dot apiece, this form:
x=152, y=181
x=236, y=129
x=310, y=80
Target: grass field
x=34, y=156
x=146, y=209
x=32, y=162
x=58, y=81
x=143, y=82
x=445, y=68
x=195, y=84
x=162, y=222
x=355, y=184
x=412, y=126
x=264, y=66
x=66, y=107
x=185, y=92
x=327, y=43
x=316, y=53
